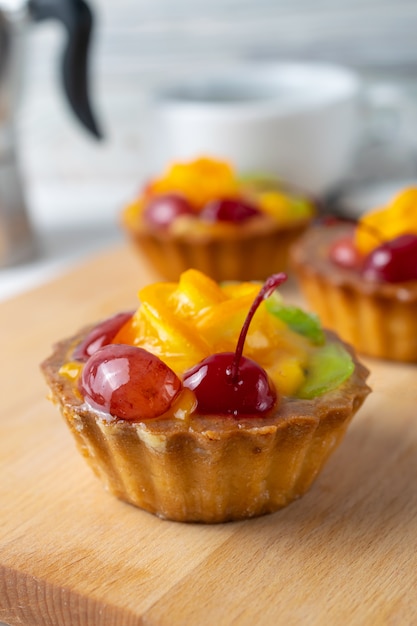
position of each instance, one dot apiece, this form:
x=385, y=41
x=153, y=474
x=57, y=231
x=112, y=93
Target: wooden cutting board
x=71, y=555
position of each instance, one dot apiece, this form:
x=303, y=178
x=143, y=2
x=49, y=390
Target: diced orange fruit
x=183, y=405
x=195, y=293
x=284, y=208
x=156, y=327
x=186, y=322
x=238, y=289
x=287, y=373
x=389, y=222
x=71, y=370
x=205, y=179
x=221, y=324
x=275, y=204
x=200, y=181
x=155, y=295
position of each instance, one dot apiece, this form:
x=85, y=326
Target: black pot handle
x=77, y=18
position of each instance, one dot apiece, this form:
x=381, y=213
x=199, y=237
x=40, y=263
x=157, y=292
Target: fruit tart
x=201, y=214
x=211, y=402
x=361, y=278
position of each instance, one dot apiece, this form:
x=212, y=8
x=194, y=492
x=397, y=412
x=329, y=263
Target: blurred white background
x=75, y=186
x=138, y=44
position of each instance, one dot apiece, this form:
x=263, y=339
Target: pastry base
x=378, y=319
x=248, y=252
x=208, y=468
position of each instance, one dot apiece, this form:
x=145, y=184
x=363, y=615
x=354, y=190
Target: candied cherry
x=101, y=335
x=163, y=209
x=344, y=253
x=228, y=210
x=227, y=383
x=128, y=382
x=393, y=261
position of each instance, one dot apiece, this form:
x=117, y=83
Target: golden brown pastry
x=362, y=279
x=201, y=214
x=209, y=403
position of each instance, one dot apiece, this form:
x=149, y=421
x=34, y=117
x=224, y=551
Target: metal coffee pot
x=17, y=241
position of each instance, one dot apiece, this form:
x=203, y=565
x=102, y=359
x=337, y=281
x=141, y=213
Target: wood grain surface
x=71, y=555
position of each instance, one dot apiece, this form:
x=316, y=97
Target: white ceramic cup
x=298, y=121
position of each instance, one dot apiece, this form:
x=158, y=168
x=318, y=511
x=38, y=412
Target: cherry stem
x=267, y=290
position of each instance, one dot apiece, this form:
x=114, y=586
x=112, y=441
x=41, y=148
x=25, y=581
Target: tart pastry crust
x=208, y=468
x=378, y=319
x=248, y=251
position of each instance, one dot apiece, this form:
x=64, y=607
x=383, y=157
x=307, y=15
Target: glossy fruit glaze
x=186, y=343
x=228, y=383
x=393, y=261
x=383, y=247
x=210, y=191
x=160, y=211
x=126, y=381
x=101, y=335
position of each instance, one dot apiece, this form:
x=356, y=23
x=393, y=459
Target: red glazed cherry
x=217, y=392
x=344, y=253
x=162, y=210
x=228, y=383
x=394, y=261
x=101, y=335
x=228, y=210
x=128, y=382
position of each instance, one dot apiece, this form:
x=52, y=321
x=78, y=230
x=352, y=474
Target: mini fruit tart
x=201, y=214
x=361, y=279
x=210, y=402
